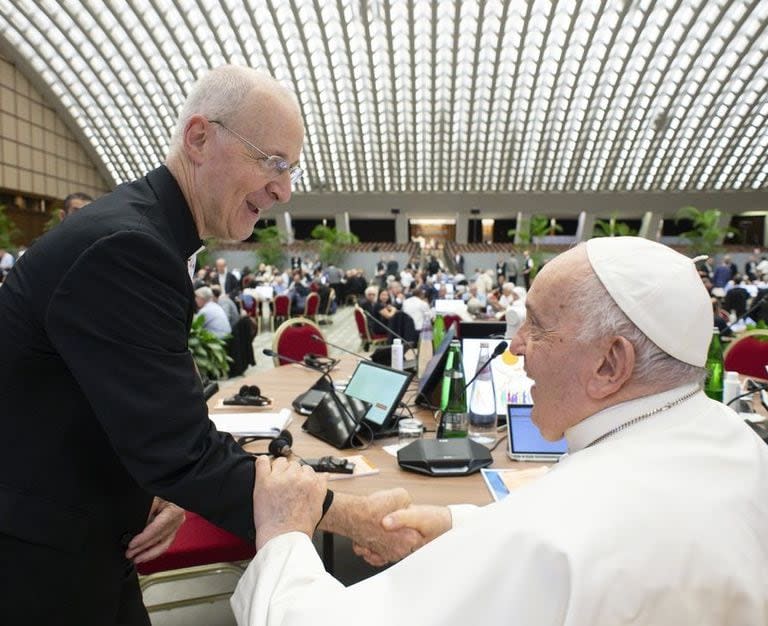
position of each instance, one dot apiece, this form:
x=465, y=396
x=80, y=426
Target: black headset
x=249, y=395
x=279, y=446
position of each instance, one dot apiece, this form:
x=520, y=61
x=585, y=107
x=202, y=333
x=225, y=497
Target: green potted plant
x=270, y=250
x=612, y=228
x=332, y=244
x=706, y=233
x=208, y=351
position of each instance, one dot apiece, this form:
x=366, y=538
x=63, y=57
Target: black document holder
x=336, y=419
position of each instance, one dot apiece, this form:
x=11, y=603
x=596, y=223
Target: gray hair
x=204, y=293
x=217, y=95
x=602, y=317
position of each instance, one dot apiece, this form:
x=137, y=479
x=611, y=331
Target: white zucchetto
x=659, y=290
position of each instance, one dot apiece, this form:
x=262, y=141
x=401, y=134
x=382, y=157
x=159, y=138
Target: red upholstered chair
x=200, y=549
x=452, y=320
x=282, y=312
x=367, y=338
x=294, y=339
x=748, y=354
x=311, y=305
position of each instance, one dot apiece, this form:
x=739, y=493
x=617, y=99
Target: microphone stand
x=389, y=331
x=333, y=345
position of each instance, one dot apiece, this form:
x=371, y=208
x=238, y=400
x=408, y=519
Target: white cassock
x=664, y=523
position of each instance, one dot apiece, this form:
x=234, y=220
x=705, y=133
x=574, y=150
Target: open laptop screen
x=510, y=382
x=525, y=439
x=382, y=386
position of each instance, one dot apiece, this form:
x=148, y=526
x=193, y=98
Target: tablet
x=383, y=387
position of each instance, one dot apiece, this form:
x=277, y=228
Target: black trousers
x=44, y=585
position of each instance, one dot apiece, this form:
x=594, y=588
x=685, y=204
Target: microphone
x=333, y=345
x=502, y=345
x=307, y=364
x=387, y=328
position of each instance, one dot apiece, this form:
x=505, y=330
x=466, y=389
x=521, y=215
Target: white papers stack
x=252, y=424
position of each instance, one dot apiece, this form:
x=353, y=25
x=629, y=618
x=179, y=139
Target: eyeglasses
x=274, y=163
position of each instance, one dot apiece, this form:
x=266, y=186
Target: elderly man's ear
x=613, y=370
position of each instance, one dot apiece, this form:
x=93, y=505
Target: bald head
x=234, y=94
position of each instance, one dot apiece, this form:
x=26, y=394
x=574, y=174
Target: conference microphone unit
x=320, y=339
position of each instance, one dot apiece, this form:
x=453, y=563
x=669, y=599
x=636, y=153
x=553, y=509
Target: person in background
x=657, y=514
x=73, y=203
x=6, y=262
x=226, y=303
x=528, y=267
x=229, y=281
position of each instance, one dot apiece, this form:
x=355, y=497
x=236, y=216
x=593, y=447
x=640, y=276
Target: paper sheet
x=252, y=424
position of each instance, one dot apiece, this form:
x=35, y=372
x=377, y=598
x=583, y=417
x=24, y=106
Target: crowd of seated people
x=736, y=295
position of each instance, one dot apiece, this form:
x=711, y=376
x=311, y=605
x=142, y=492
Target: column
x=585, y=226
x=462, y=228
x=650, y=226
x=285, y=226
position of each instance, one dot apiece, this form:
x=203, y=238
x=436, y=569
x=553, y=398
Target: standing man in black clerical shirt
x=103, y=416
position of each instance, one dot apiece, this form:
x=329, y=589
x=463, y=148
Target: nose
x=517, y=343
x=279, y=189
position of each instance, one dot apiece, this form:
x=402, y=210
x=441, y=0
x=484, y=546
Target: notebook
x=524, y=441
x=383, y=387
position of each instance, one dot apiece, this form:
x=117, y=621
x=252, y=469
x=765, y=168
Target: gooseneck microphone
x=318, y=338
x=303, y=362
x=388, y=329
x=502, y=345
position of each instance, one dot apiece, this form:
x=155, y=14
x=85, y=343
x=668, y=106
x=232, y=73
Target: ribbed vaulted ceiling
x=446, y=96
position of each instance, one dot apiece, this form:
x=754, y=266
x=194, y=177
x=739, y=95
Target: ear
x=613, y=370
x=196, y=138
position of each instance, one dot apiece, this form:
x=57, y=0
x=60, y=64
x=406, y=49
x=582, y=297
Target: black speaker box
x=444, y=457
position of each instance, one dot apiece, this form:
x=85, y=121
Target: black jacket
x=101, y=406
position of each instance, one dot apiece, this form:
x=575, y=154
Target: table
x=283, y=384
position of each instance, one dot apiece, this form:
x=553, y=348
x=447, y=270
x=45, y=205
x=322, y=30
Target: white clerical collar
x=596, y=426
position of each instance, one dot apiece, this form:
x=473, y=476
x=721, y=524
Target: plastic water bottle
x=731, y=388
x=482, y=404
x=455, y=420
x=397, y=354
x=425, y=346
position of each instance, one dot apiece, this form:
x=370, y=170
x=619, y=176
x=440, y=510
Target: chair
x=293, y=339
x=240, y=346
x=199, y=550
x=366, y=336
x=748, y=354
x=282, y=305
x=311, y=306
x=451, y=320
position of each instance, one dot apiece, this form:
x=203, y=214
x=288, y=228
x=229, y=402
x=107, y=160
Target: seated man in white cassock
x=658, y=515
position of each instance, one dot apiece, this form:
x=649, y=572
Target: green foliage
x=270, y=250
x=208, y=351
x=537, y=227
x=54, y=219
x=8, y=230
x=332, y=244
x=612, y=228
x=205, y=256
x=706, y=233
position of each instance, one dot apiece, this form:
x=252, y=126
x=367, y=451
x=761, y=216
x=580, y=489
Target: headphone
x=279, y=446
x=249, y=395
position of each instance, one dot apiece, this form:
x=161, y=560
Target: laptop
x=383, y=387
x=510, y=381
x=524, y=441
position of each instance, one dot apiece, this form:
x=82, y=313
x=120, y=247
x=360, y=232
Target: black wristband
x=327, y=502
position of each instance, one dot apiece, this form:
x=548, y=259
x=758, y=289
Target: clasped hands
x=383, y=526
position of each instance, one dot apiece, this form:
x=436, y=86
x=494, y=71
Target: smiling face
x=558, y=362
x=234, y=186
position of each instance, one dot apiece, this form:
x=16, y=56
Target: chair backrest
x=748, y=354
x=450, y=320
x=362, y=324
x=311, y=305
x=249, y=304
x=293, y=339
x=282, y=305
